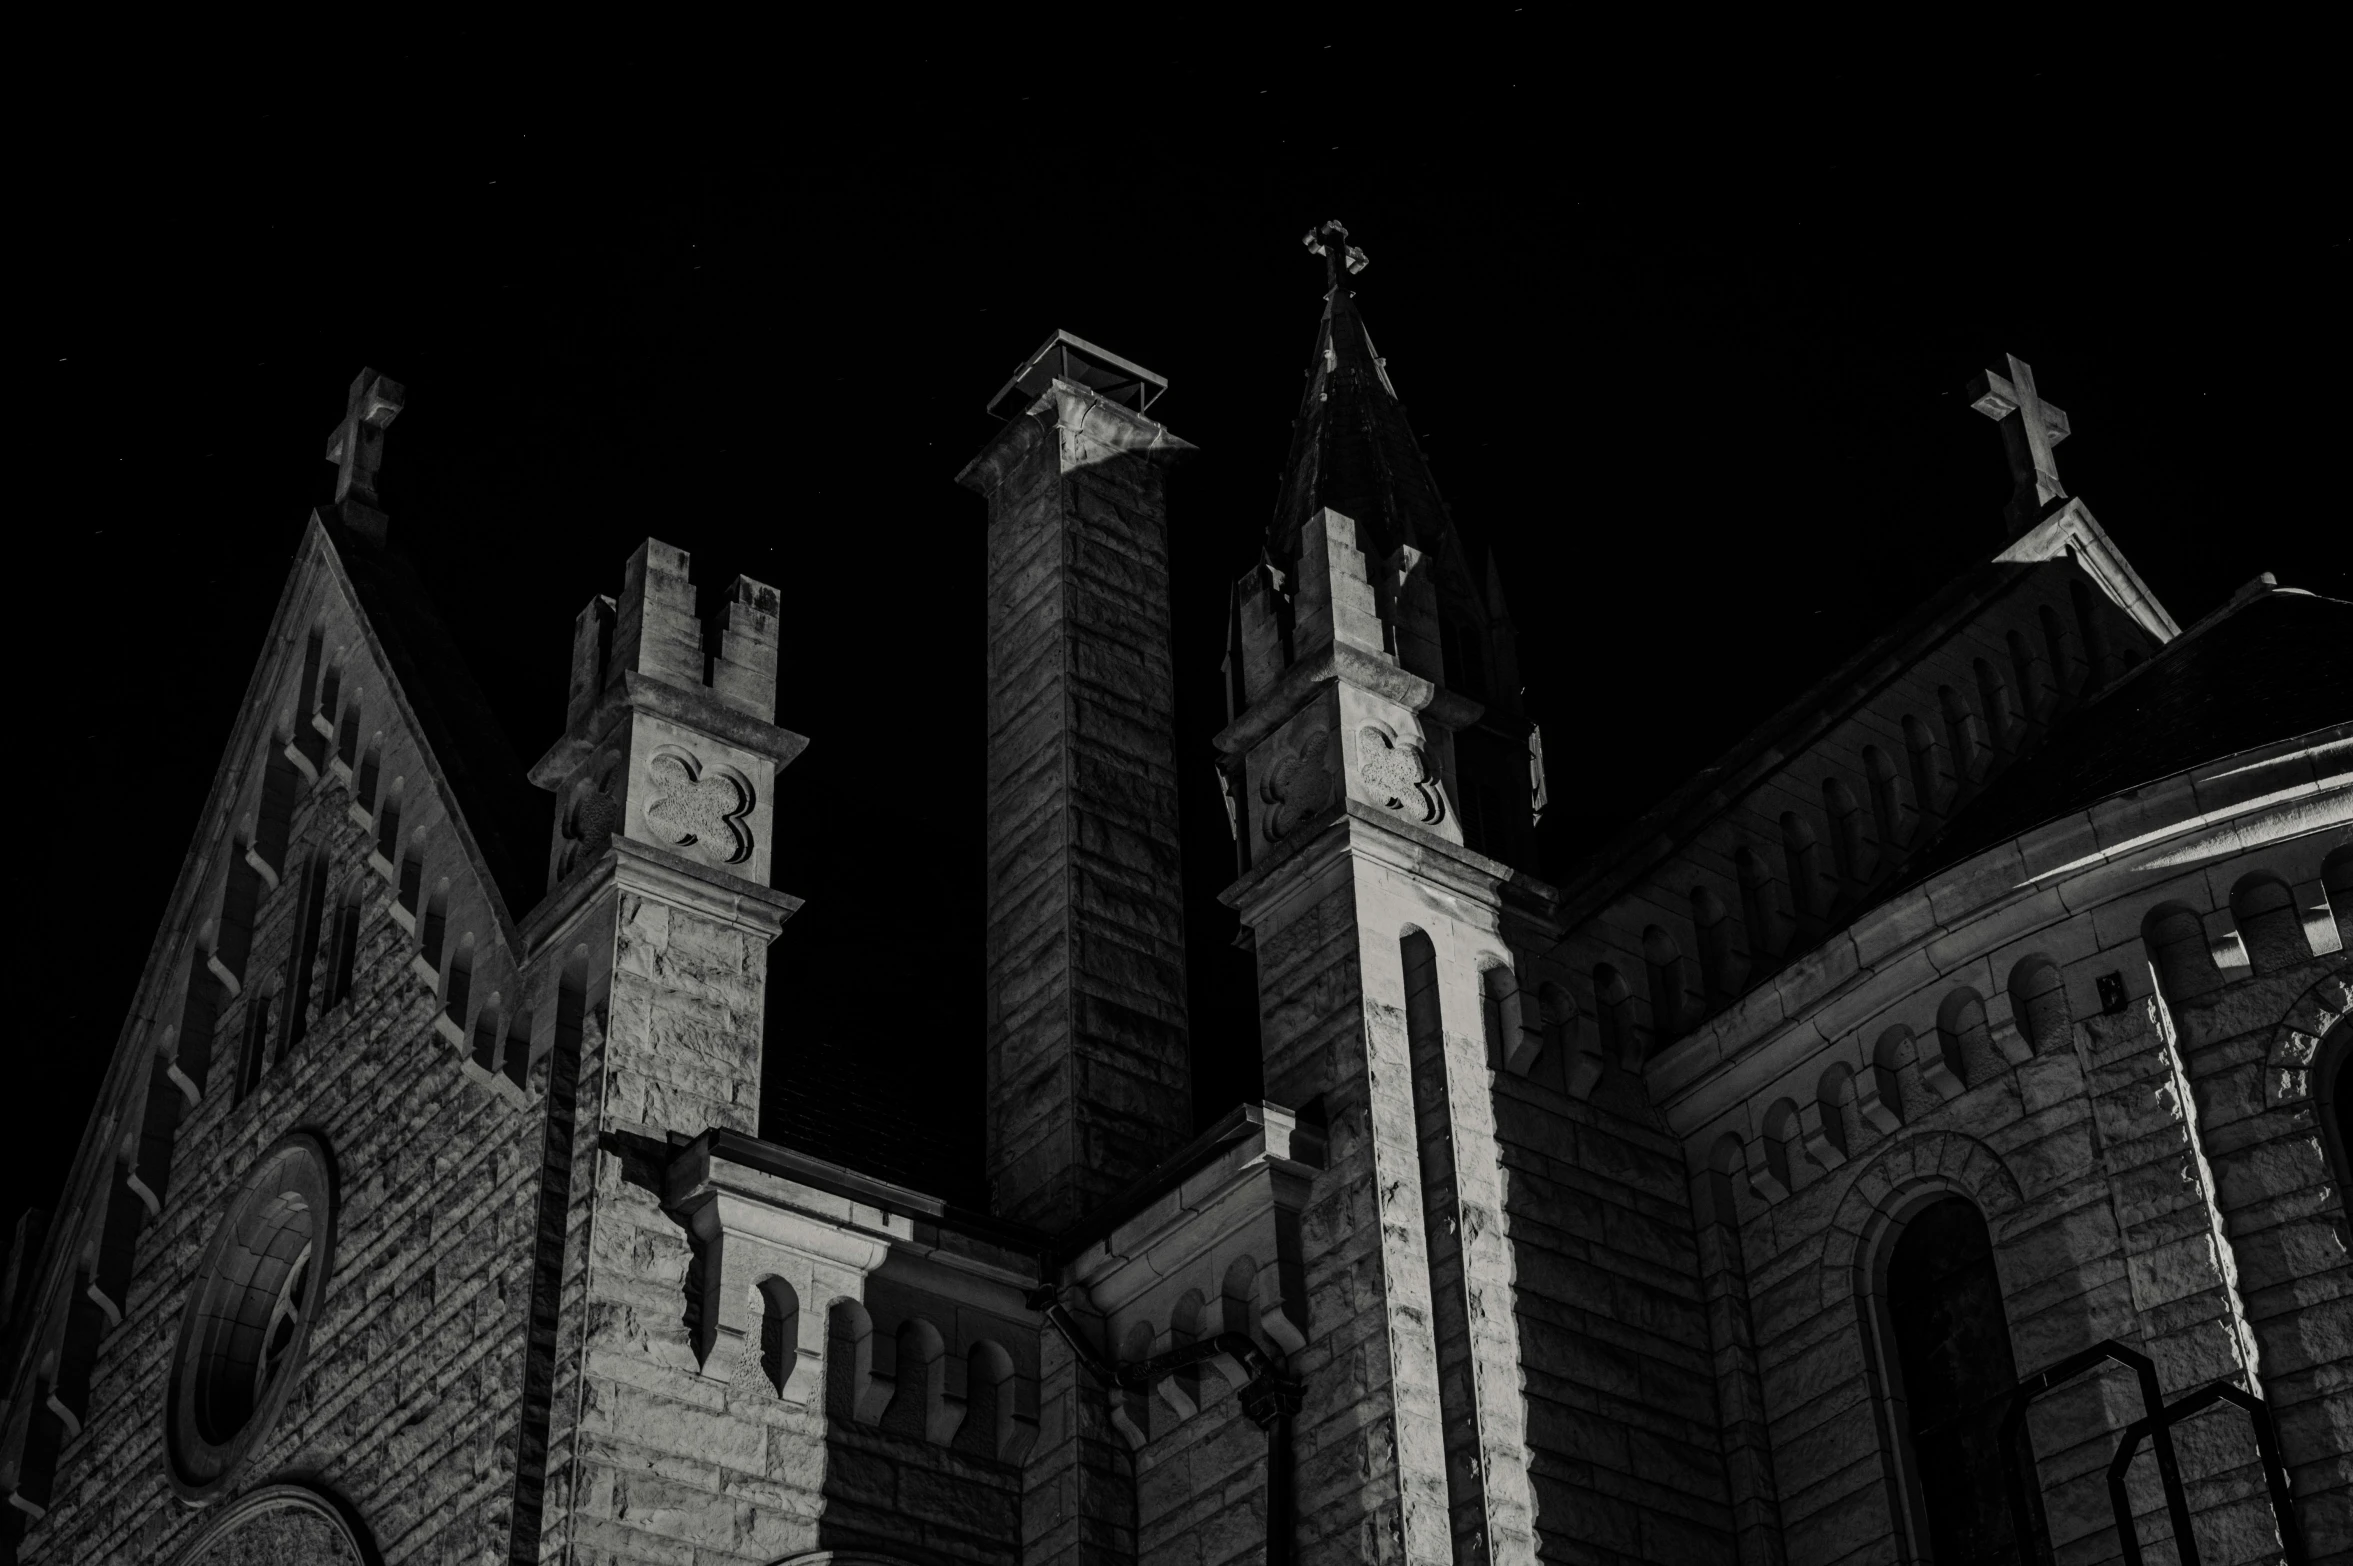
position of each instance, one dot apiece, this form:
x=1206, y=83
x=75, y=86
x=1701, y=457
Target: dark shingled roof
x=1352, y=449
x=509, y=819
x=2276, y=665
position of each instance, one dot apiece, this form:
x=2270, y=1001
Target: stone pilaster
x=1374, y=928
x=1088, y=1064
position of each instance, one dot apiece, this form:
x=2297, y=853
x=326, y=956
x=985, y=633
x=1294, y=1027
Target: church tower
x=1377, y=759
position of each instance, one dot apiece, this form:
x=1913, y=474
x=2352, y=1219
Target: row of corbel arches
x=1142, y=1415
x=446, y=917
x=909, y=1381
x=1799, y=1143
x=1820, y=867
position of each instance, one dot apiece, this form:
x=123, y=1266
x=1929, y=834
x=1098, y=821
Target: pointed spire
x=1351, y=447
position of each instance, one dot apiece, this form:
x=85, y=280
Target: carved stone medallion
x=1398, y=775
x=1299, y=785
x=693, y=806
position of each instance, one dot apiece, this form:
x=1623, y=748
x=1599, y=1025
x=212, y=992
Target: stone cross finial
x=357, y=445
x=2030, y=428
x=1330, y=240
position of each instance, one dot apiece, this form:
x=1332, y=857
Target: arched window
x=1713, y=924
x=1832, y=1093
x=1760, y=912
x=434, y=936
x=1669, y=1007
x=253, y=1056
x=411, y=880
x=2094, y=632
x=1887, y=806
x=920, y=1376
x=1803, y=857
x=346, y=966
x=2058, y=651
x=1993, y=699
x=322, y=717
x=2034, y=696
x=457, y=993
x=304, y=959
x=1450, y=1315
x=780, y=1316
x=988, y=1402
x=1964, y=734
x=2265, y=912
x=2332, y=1084
x=1613, y=1013
x=388, y=823
x=1963, y=1037
x=2336, y=882
x=1948, y=1373
x=371, y=767
x=2038, y=1001
x=1848, y=852
x=347, y=734
x=2175, y=939
x=1928, y=794
x=849, y=1362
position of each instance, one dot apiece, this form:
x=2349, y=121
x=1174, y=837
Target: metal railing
x=2155, y=1426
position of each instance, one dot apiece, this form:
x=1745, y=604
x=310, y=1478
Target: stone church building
x=1920, y=1137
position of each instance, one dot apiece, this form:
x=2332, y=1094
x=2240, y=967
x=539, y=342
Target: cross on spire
x=1329, y=239
x=356, y=446
x=2030, y=428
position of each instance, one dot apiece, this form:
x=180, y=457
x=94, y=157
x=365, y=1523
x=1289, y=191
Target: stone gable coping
x=693, y=707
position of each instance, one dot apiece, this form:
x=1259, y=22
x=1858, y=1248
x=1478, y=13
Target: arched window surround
x=1863, y=1243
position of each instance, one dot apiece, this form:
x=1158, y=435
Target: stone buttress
x=656, y=926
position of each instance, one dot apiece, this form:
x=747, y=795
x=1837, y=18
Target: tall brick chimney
x=1088, y=1063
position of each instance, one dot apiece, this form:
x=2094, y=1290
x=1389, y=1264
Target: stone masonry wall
x=1201, y=1481
x=1088, y=1062
x=1622, y=1402
x=2082, y=1163
x=2245, y=1047
x=1366, y=1446
x=649, y=1451
x=406, y=1406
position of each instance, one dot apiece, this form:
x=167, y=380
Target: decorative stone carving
x=692, y=806
x=592, y=816
x=1398, y=775
x=279, y=1525
x=1300, y=785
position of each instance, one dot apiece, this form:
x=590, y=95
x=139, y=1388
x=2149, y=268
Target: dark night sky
x=1686, y=346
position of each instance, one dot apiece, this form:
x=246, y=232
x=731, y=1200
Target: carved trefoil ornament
x=690, y=805
x=1300, y=784
x=1397, y=773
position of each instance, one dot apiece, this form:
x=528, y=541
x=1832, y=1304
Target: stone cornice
x=1065, y=405
x=1244, y=1201
x=1303, y=859
x=1367, y=671
x=1940, y=925
x=688, y=708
